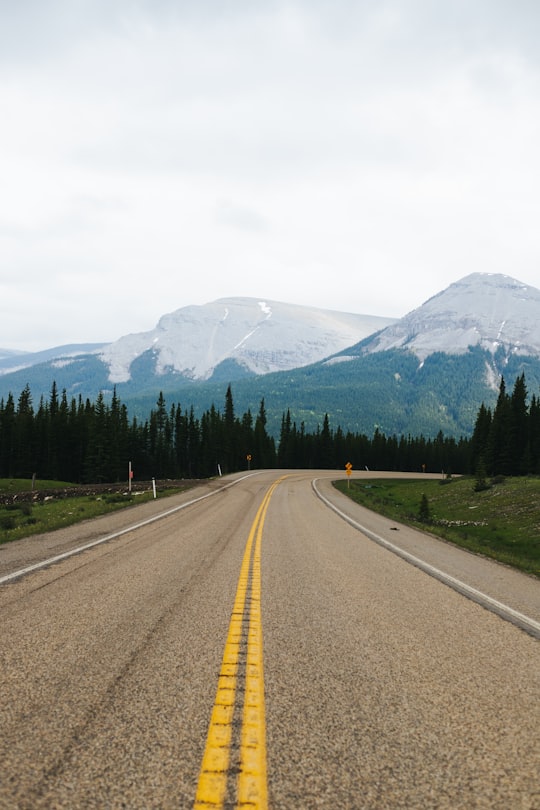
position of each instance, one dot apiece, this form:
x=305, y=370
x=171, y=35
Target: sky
x=344, y=154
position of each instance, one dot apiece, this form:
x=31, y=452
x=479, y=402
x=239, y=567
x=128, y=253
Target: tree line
x=91, y=442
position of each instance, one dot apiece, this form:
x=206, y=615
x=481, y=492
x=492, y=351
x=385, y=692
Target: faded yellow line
x=252, y=785
x=213, y=777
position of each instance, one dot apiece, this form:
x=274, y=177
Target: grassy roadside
x=502, y=521
x=23, y=516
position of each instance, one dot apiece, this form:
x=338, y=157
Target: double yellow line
x=215, y=778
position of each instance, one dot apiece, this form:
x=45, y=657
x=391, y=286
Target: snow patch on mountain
x=261, y=336
x=492, y=377
x=486, y=309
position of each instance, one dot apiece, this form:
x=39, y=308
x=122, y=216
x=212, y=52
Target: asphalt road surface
x=245, y=645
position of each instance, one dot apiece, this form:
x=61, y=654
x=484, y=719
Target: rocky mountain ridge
x=259, y=336
x=489, y=310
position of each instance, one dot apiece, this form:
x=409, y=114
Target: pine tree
x=7, y=436
x=229, y=433
x=264, y=455
x=499, y=450
x=480, y=436
x=284, y=458
x=518, y=427
x=24, y=436
x=325, y=451
x=534, y=434
x=97, y=466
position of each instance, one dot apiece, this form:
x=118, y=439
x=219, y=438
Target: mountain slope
x=11, y=361
x=257, y=337
x=389, y=391
x=222, y=341
x=489, y=310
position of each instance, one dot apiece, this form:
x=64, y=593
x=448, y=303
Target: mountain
x=257, y=337
x=9, y=354
x=427, y=372
x=489, y=310
x=224, y=340
x=11, y=361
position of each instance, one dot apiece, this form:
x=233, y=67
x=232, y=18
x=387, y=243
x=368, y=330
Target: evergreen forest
x=81, y=441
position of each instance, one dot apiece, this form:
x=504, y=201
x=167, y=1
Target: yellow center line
x=214, y=773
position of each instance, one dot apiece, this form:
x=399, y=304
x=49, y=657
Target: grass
x=501, y=522
x=23, y=518
x=11, y=486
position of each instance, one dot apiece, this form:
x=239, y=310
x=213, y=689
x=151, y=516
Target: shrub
x=424, y=512
x=7, y=522
x=481, y=477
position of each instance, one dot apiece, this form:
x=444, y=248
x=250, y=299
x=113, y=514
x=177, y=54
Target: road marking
x=526, y=623
x=251, y=788
x=51, y=560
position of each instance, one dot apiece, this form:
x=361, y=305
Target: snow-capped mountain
x=258, y=336
x=427, y=372
x=489, y=310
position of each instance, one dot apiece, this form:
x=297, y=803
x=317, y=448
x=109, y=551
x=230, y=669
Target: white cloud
x=350, y=155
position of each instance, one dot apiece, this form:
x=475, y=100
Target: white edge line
x=51, y=560
x=504, y=611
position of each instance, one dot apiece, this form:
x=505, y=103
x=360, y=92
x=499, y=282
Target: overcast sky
x=350, y=155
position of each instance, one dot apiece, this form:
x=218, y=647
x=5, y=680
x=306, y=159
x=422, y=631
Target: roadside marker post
x=348, y=469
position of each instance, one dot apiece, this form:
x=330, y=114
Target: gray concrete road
x=383, y=687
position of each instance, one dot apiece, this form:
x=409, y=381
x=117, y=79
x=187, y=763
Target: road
x=243, y=645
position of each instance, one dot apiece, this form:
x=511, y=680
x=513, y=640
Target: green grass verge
x=502, y=521
x=11, y=486
x=25, y=518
